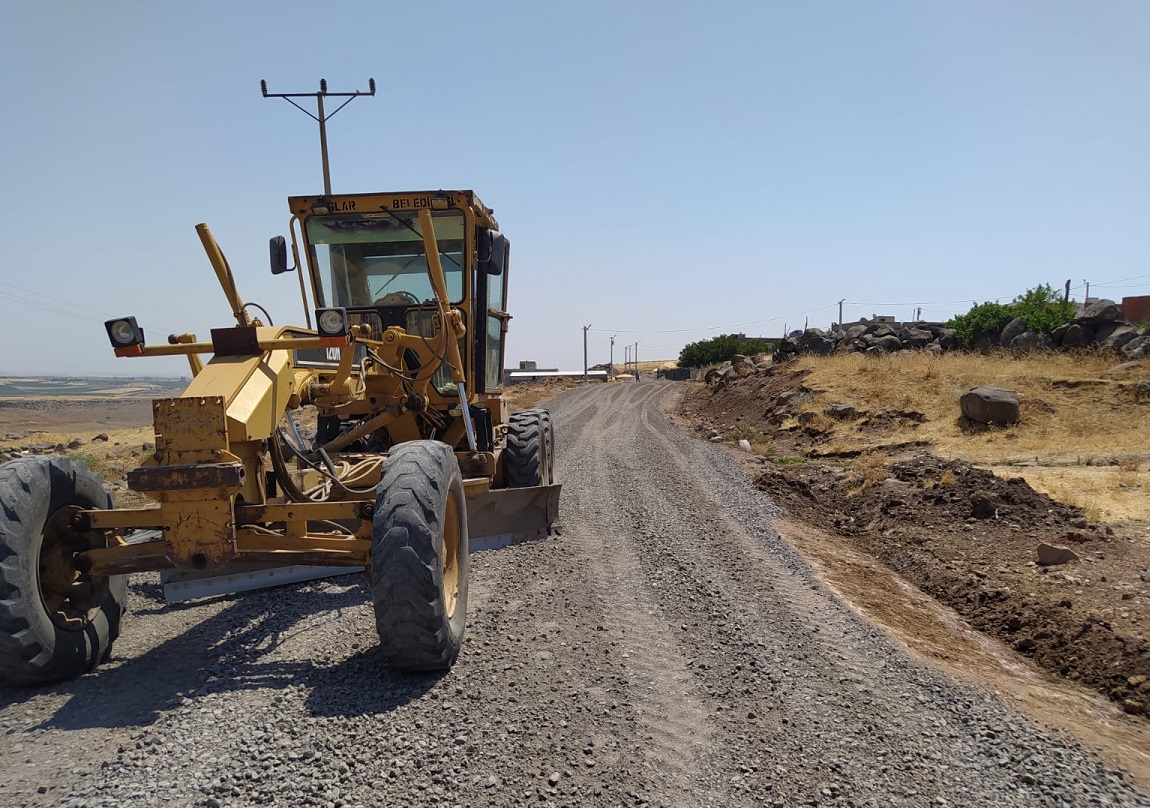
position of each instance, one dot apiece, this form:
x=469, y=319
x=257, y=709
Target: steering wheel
x=399, y=298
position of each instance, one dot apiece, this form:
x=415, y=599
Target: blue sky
x=665, y=171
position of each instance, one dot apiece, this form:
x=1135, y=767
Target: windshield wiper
x=406, y=223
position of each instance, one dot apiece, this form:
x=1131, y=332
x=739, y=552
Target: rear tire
x=419, y=561
x=54, y=623
x=530, y=443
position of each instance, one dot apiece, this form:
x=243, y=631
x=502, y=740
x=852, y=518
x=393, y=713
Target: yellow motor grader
x=378, y=438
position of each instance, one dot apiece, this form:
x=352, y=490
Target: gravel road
x=666, y=650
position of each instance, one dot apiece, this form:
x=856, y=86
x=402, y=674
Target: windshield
x=377, y=259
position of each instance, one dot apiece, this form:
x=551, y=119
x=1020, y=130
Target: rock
x=1142, y=390
x=986, y=405
x=1075, y=335
x=887, y=342
x=1029, y=341
x=745, y=445
x=915, y=337
x=1137, y=348
x=1014, y=328
x=76, y=443
x=1123, y=368
x=983, y=506
x=1050, y=555
x=842, y=412
x=102, y=437
x=1115, y=335
x=1099, y=312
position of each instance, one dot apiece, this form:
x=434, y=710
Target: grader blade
x=241, y=576
x=495, y=518
x=501, y=517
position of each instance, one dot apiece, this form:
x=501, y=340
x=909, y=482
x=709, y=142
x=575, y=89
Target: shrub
x=983, y=319
x=719, y=349
x=1042, y=307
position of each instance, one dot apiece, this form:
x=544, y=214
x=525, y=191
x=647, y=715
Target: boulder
x=987, y=405
x=842, y=412
x=856, y=331
x=1099, y=312
x=1074, y=335
x=1029, y=341
x=915, y=337
x=1137, y=348
x=1011, y=330
x=1050, y=555
x=1115, y=335
x=889, y=342
x=947, y=340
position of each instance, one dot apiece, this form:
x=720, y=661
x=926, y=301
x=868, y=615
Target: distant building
x=1136, y=309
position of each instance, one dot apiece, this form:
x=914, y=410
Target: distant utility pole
x=320, y=117
x=1087, y=300
x=636, y=357
x=585, y=351
x=611, y=361
x=1066, y=294
x=841, y=314
x=626, y=358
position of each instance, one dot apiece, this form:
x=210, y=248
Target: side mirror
x=492, y=252
x=277, y=249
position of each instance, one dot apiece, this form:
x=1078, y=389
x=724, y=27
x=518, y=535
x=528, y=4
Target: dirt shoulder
x=956, y=531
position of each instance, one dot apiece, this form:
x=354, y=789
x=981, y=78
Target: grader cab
x=377, y=438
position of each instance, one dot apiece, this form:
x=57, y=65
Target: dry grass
x=1081, y=438
x=868, y=469
x=1068, y=406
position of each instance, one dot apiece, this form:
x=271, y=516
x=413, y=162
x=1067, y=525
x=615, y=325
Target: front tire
x=530, y=444
x=55, y=623
x=419, y=560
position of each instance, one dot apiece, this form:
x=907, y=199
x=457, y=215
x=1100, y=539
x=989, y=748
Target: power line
x=713, y=327
x=47, y=297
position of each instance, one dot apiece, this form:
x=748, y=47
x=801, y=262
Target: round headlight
x=331, y=322
x=122, y=332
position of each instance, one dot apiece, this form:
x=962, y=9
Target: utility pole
x=611, y=361
x=1066, y=294
x=841, y=314
x=626, y=357
x=585, y=351
x=320, y=117
x=636, y=357
x=1087, y=300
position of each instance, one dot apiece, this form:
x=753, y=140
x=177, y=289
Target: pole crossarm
x=320, y=117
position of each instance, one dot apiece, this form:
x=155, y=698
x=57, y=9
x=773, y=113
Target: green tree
x=982, y=320
x=1042, y=307
x=719, y=349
